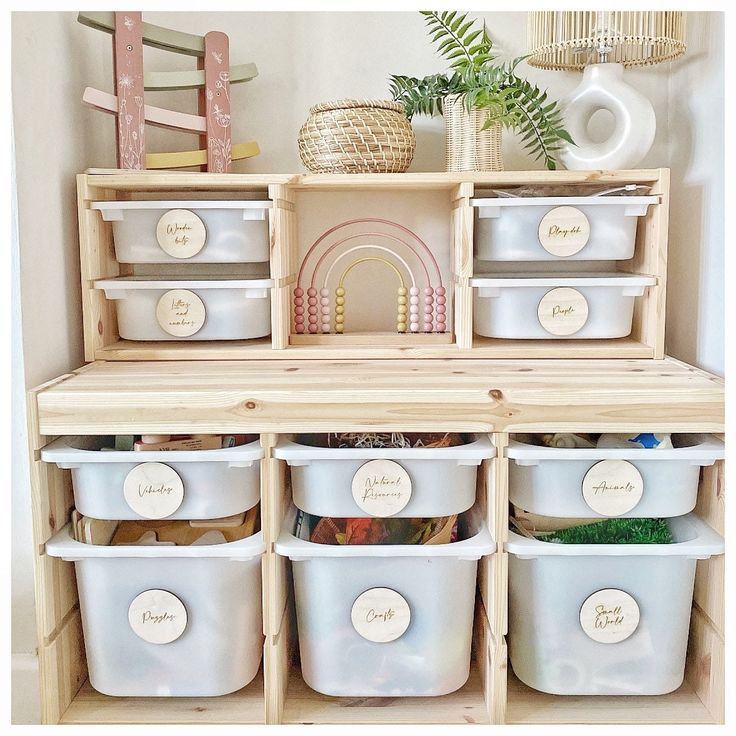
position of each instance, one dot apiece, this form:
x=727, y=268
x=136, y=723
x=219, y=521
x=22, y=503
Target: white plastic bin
x=557, y=228
x=214, y=591
x=190, y=309
x=548, y=306
x=603, y=482
x=401, y=482
x=199, y=231
x=604, y=619
x=420, y=630
x=203, y=484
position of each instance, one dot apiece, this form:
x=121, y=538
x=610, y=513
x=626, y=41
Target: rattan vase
x=468, y=147
x=357, y=137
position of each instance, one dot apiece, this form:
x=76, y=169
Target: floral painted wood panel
x=217, y=101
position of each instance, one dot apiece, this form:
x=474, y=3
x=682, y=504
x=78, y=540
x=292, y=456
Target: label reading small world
x=609, y=616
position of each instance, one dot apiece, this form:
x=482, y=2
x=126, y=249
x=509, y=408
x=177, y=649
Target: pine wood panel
x=705, y=670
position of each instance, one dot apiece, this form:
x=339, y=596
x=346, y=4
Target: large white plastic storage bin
x=219, y=586
x=552, y=586
x=209, y=483
x=436, y=582
x=551, y=481
x=199, y=231
x=548, y=306
x=418, y=482
x=601, y=228
x=215, y=308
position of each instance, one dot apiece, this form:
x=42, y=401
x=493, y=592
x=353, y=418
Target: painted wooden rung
x=182, y=159
x=194, y=78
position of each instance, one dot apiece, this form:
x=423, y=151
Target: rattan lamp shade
x=559, y=39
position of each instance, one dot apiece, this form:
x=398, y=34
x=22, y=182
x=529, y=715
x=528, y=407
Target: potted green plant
x=479, y=97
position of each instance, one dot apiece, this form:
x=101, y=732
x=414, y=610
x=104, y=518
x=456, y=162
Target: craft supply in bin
x=604, y=619
x=385, y=620
x=202, y=308
x=592, y=228
x=200, y=484
x=602, y=482
x=556, y=306
x=383, y=481
x=200, y=231
x=166, y=620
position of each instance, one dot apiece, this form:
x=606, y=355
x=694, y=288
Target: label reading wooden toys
x=153, y=490
x=380, y=615
x=609, y=616
x=381, y=487
x=157, y=616
x=563, y=311
x=564, y=231
x=613, y=487
x=180, y=312
x=181, y=233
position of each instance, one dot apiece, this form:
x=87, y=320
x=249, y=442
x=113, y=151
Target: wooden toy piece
x=194, y=78
x=215, y=102
x=184, y=159
x=128, y=67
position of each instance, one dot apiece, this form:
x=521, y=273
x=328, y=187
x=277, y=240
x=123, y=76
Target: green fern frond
x=460, y=43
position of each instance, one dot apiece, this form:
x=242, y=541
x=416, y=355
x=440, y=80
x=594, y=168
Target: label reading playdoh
x=609, y=616
x=180, y=312
x=564, y=231
x=613, y=487
x=381, y=487
x=153, y=490
x=562, y=311
x=181, y=233
x=380, y=615
x=157, y=616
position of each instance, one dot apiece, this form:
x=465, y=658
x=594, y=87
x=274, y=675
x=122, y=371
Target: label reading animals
x=380, y=615
x=181, y=233
x=180, y=313
x=613, y=487
x=381, y=487
x=562, y=311
x=157, y=616
x=564, y=231
x=609, y=616
x=153, y=490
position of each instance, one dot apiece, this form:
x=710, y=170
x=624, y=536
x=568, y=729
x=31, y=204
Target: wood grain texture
x=705, y=670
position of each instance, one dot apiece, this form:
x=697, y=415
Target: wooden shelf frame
x=102, y=341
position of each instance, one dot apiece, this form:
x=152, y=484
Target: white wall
x=305, y=58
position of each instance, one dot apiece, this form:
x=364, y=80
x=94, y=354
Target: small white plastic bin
x=548, y=306
x=604, y=619
x=206, y=484
x=557, y=228
x=214, y=591
x=607, y=482
x=199, y=231
x=190, y=309
x=401, y=482
x=430, y=598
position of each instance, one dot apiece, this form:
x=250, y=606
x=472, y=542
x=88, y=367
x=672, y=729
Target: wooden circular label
x=613, y=487
x=181, y=233
x=180, y=312
x=381, y=487
x=564, y=231
x=157, y=616
x=380, y=615
x=609, y=616
x=562, y=311
x=153, y=490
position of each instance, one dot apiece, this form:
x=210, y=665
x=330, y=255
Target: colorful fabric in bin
x=440, y=530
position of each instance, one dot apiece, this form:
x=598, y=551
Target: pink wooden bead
x=299, y=329
x=428, y=300
x=440, y=309
x=298, y=291
x=440, y=290
x=324, y=301
x=428, y=309
x=313, y=328
x=427, y=327
x=312, y=309
x=299, y=319
x=298, y=310
x=324, y=292
x=428, y=291
x=311, y=291
x=414, y=291
x=414, y=318
x=326, y=328
x=298, y=301
x=326, y=319
x=312, y=301
x=312, y=319
x=441, y=299
x=441, y=318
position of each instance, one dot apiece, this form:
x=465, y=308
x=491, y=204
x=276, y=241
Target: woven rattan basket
x=468, y=147
x=357, y=136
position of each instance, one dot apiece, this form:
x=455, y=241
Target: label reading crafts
x=181, y=233
x=562, y=311
x=380, y=615
x=381, y=487
x=564, y=231
x=180, y=312
x=153, y=490
x=157, y=616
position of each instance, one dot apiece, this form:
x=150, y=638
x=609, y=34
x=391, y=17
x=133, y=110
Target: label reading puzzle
x=153, y=490
x=609, y=616
x=380, y=615
x=157, y=616
x=180, y=313
x=381, y=487
x=181, y=233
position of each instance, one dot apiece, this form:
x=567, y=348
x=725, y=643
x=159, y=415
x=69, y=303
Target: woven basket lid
x=347, y=103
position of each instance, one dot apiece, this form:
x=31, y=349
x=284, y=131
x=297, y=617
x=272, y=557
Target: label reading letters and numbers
x=180, y=313
x=564, y=231
x=380, y=615
x=609, y=616
x=153, y=490
x=613, y=487
x=181, y=233
x=157, y=616
x=381, y=487
x=562, y=311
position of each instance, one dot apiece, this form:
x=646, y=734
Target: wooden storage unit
x=102, y=341
x=497, y=397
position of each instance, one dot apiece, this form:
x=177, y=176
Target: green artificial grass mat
x=612, y=531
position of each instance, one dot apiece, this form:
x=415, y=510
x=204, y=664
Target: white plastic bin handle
x=489, y=292
x=632, y=290
x=256, y=293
